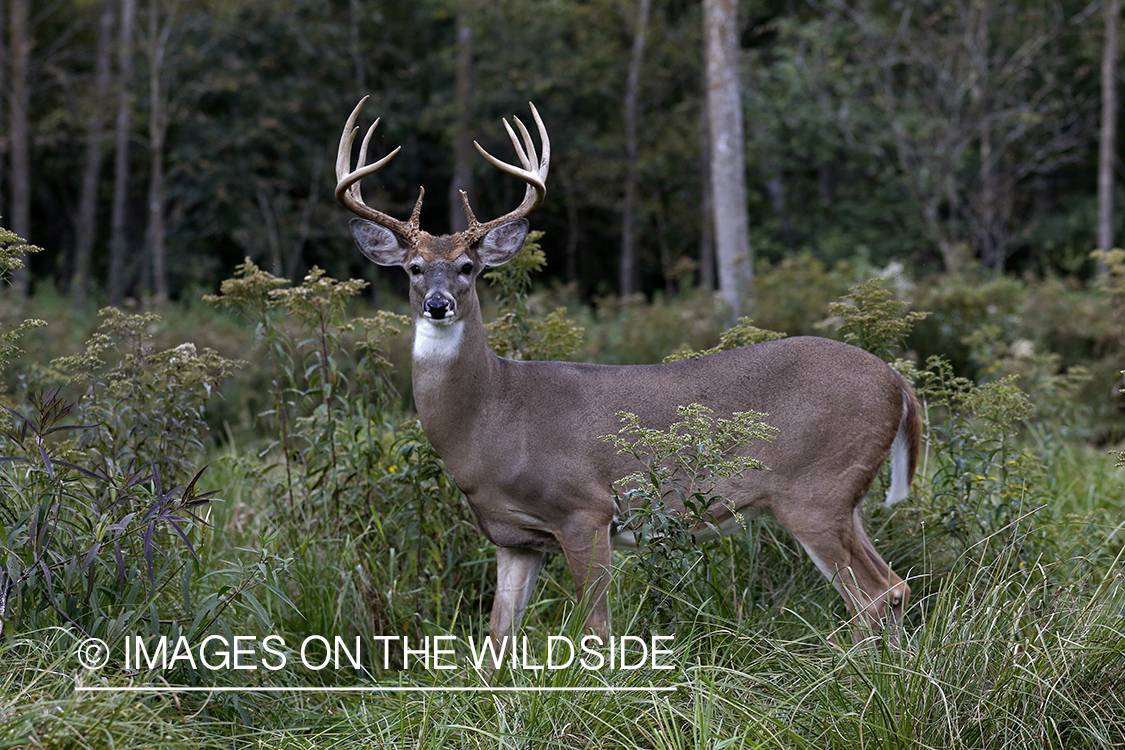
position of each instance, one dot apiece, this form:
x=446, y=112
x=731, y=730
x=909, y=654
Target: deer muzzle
x=437, y=306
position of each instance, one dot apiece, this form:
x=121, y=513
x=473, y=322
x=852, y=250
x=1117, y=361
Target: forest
x=151, y=146
x=223, y=525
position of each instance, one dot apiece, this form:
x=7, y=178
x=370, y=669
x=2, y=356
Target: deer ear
x=379, y=244
x=503, y=243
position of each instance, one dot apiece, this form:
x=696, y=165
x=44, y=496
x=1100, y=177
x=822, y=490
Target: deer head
x=442, y=269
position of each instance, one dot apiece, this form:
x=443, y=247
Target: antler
x=347, y=187
x=534, y=177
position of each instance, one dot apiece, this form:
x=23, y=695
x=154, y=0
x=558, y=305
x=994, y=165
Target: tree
x=92, y=167
x=355, y=47
x=463, y=151
x=3, y=87
x=122, y=134
x=20, y=131
x=706, y=207
x=162, y=21
x=975, y=109
x=1107, y=146
x=630, y=277
x=727, y=163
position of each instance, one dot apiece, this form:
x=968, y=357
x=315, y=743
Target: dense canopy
x=935, y=133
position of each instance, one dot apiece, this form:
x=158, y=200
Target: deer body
x=521, y=439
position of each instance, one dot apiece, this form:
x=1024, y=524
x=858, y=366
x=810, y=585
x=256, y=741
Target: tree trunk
x=3, y=109
x=993, y=251
x=1107, y=146
x=630, y=273
x=91, y=170
x=728, y=178
x=20, y=134
x=462, y=140
x=304, y=226
x=119, y=241
x=157, y=132
x=706, y=205
x=669, y=270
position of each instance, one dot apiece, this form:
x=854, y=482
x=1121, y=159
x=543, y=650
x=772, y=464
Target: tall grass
x=333, y=516
x=1014, y=660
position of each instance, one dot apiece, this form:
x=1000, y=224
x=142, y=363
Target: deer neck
x=450, y=375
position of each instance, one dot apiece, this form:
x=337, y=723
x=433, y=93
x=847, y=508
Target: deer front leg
x=517, y=568
x=589, y=555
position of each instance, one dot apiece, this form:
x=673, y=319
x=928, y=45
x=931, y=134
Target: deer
x=520, y=439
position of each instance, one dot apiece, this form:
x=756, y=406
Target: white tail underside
x=900, y=463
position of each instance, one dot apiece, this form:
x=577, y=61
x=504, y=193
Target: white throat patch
x=436, y=340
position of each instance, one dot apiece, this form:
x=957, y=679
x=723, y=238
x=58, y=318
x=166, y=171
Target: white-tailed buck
x=521, y=438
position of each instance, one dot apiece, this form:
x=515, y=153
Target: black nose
x=437, y=307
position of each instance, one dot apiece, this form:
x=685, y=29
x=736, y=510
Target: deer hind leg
x=517, y=569
x=586, y=545
x=845, y=556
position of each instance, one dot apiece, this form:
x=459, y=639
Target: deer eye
x=467, y=268
x=414, y=269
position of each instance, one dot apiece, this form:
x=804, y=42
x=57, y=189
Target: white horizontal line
x=358, y=689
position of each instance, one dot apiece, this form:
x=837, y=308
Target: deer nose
x=436, y=306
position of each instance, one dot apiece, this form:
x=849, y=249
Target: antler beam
x=534, y=176
x=347, y=185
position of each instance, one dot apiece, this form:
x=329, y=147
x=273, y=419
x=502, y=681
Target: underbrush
x=1013, y=659
x=323, y=511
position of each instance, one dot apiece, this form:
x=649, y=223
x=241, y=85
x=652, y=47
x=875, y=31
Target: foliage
x=862, y=145
x=146, y=407
x=972, y=127
x=84, y=546
x=872, y=319
x=635, y=331
x=981, y=484
x=1063, y=340
x=341, y=520
x=793, y=295
x=679, y=489
x=742, y=333
x=12, y=250
x=96, y=534
x=516, y=333
x=1112, y=279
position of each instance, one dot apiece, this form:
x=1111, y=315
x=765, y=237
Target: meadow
x=247, y=466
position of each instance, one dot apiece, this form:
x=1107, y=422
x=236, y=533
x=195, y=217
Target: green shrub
x=873, y=320
x=684, y=467
x=516, y=333
x=794, y=295
x=633, y=331
x=742, y=333
x=100, y=524
x=145, y=407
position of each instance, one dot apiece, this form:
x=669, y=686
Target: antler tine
x=528, y=163
x=347, y=186
x=545, y=161
x=534, y=175
x=526, y=174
